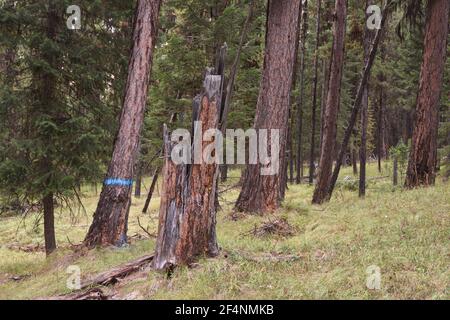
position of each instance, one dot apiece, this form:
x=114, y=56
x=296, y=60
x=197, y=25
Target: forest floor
x=324, y=255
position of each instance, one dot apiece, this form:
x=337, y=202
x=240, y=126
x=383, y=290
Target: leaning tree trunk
x=264, y=193
x=187, y=216
x=423, y=154
x=364, y=111
x=150, y=192
x=357, y=104
x=332, y=106
x=230, y=85
x=301, y=73
x=111, y=217
x=312, y=166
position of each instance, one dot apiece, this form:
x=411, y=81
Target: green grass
x=405, y=233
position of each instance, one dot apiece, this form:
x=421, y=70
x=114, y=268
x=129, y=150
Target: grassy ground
x=404, y=233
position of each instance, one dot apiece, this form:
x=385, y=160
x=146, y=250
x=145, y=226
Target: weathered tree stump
x=187, y=217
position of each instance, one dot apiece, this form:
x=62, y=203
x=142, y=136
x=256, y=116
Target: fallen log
x=91, y=294
x=89, y=289
x=114, y=275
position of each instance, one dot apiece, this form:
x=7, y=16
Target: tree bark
x=423, y=154
x=109, y=226
x=264, y=193
x=187, y=216
x=395, y=171
x=323, y=99
x=354, y=162
x=138, y=185
x=333, y=100
x=301, y=73
x=49, y=224
x=364, y=111
x=312, y=166
x=356, y=105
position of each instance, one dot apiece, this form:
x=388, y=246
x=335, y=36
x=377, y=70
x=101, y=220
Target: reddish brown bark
x=187, y=216
x=264, y=193
x=332, y=106
x=111, y=217
x=423, y=154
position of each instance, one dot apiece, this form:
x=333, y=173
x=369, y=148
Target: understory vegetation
x=326, y=254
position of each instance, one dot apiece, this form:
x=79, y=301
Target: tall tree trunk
x=292, y=101
x=356, y=105
x=187, y=216
x=111, y=217
x=47, y=86
x=423, y=154
x=232, y=80
x=312, y=165
x=333, y=100
x=364, y=110
x=264, y=193
x=301, y=73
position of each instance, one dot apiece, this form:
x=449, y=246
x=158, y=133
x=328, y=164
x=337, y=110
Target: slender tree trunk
x=187, y=218
x=364, y=111
x=47, y=86
x=423, y=154
x=264, y=193
x=137, y=187
x=292, y=101
x=380, y=129
x=333, y=100
x=356, y=105
x=109, y=226
x=301, y=73
x=312, y=166
x=354, y=162
x=323, y=100
x=150, y=192
x=49, y=224
x=395, y=171
x=232, y=80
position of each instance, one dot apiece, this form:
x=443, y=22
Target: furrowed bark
x=423, y=155
x=187, y=219
x=109, y=226
x=264, y=193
